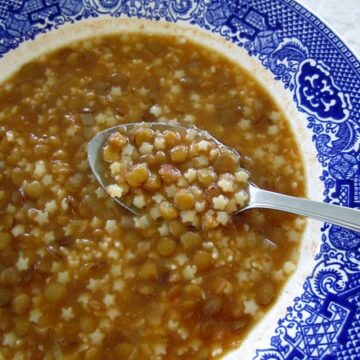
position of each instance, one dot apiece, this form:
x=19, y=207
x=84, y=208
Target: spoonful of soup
x=161, y=171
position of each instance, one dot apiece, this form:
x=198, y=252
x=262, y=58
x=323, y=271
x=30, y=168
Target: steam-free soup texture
x=79, y=278
x=173, y=174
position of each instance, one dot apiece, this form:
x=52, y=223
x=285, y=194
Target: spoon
x=258, y=198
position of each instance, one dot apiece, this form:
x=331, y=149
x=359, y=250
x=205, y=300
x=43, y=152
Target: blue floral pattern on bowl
x=324, y=77
x=317, y=94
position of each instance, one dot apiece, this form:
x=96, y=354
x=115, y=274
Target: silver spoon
x=258, y=198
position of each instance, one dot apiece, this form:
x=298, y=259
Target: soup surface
x=79, y=279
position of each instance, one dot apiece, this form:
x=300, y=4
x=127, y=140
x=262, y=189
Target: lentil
x=166, y=246
x=20, y=303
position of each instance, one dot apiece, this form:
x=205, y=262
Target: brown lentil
x=202, y=260
x=148, y=271
x=20, y=303
x=166, y=246
x=191, y=240
x=34, y=189
x=54, y=292
x=137, y=175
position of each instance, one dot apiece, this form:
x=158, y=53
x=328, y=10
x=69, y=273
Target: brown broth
x=77, y=279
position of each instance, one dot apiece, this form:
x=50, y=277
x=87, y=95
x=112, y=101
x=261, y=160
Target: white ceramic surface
x=343, y=16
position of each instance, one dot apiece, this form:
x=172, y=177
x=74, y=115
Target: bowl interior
x=104, y=26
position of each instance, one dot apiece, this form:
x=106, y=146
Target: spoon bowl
x=97, y=143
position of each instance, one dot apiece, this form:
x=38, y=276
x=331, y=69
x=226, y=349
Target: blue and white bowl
x=316, y=80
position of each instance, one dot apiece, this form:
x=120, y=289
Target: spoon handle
x=334, y=214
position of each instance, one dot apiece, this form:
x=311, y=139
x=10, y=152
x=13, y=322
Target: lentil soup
x=79, y=278
x=174, y=174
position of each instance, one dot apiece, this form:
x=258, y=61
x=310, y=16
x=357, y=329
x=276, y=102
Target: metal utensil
x=333, y=214
x=258, y=198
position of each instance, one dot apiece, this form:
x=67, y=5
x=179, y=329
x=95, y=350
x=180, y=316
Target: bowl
x=314, y=77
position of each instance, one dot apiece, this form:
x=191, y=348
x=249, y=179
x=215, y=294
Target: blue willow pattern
x=324, y=78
